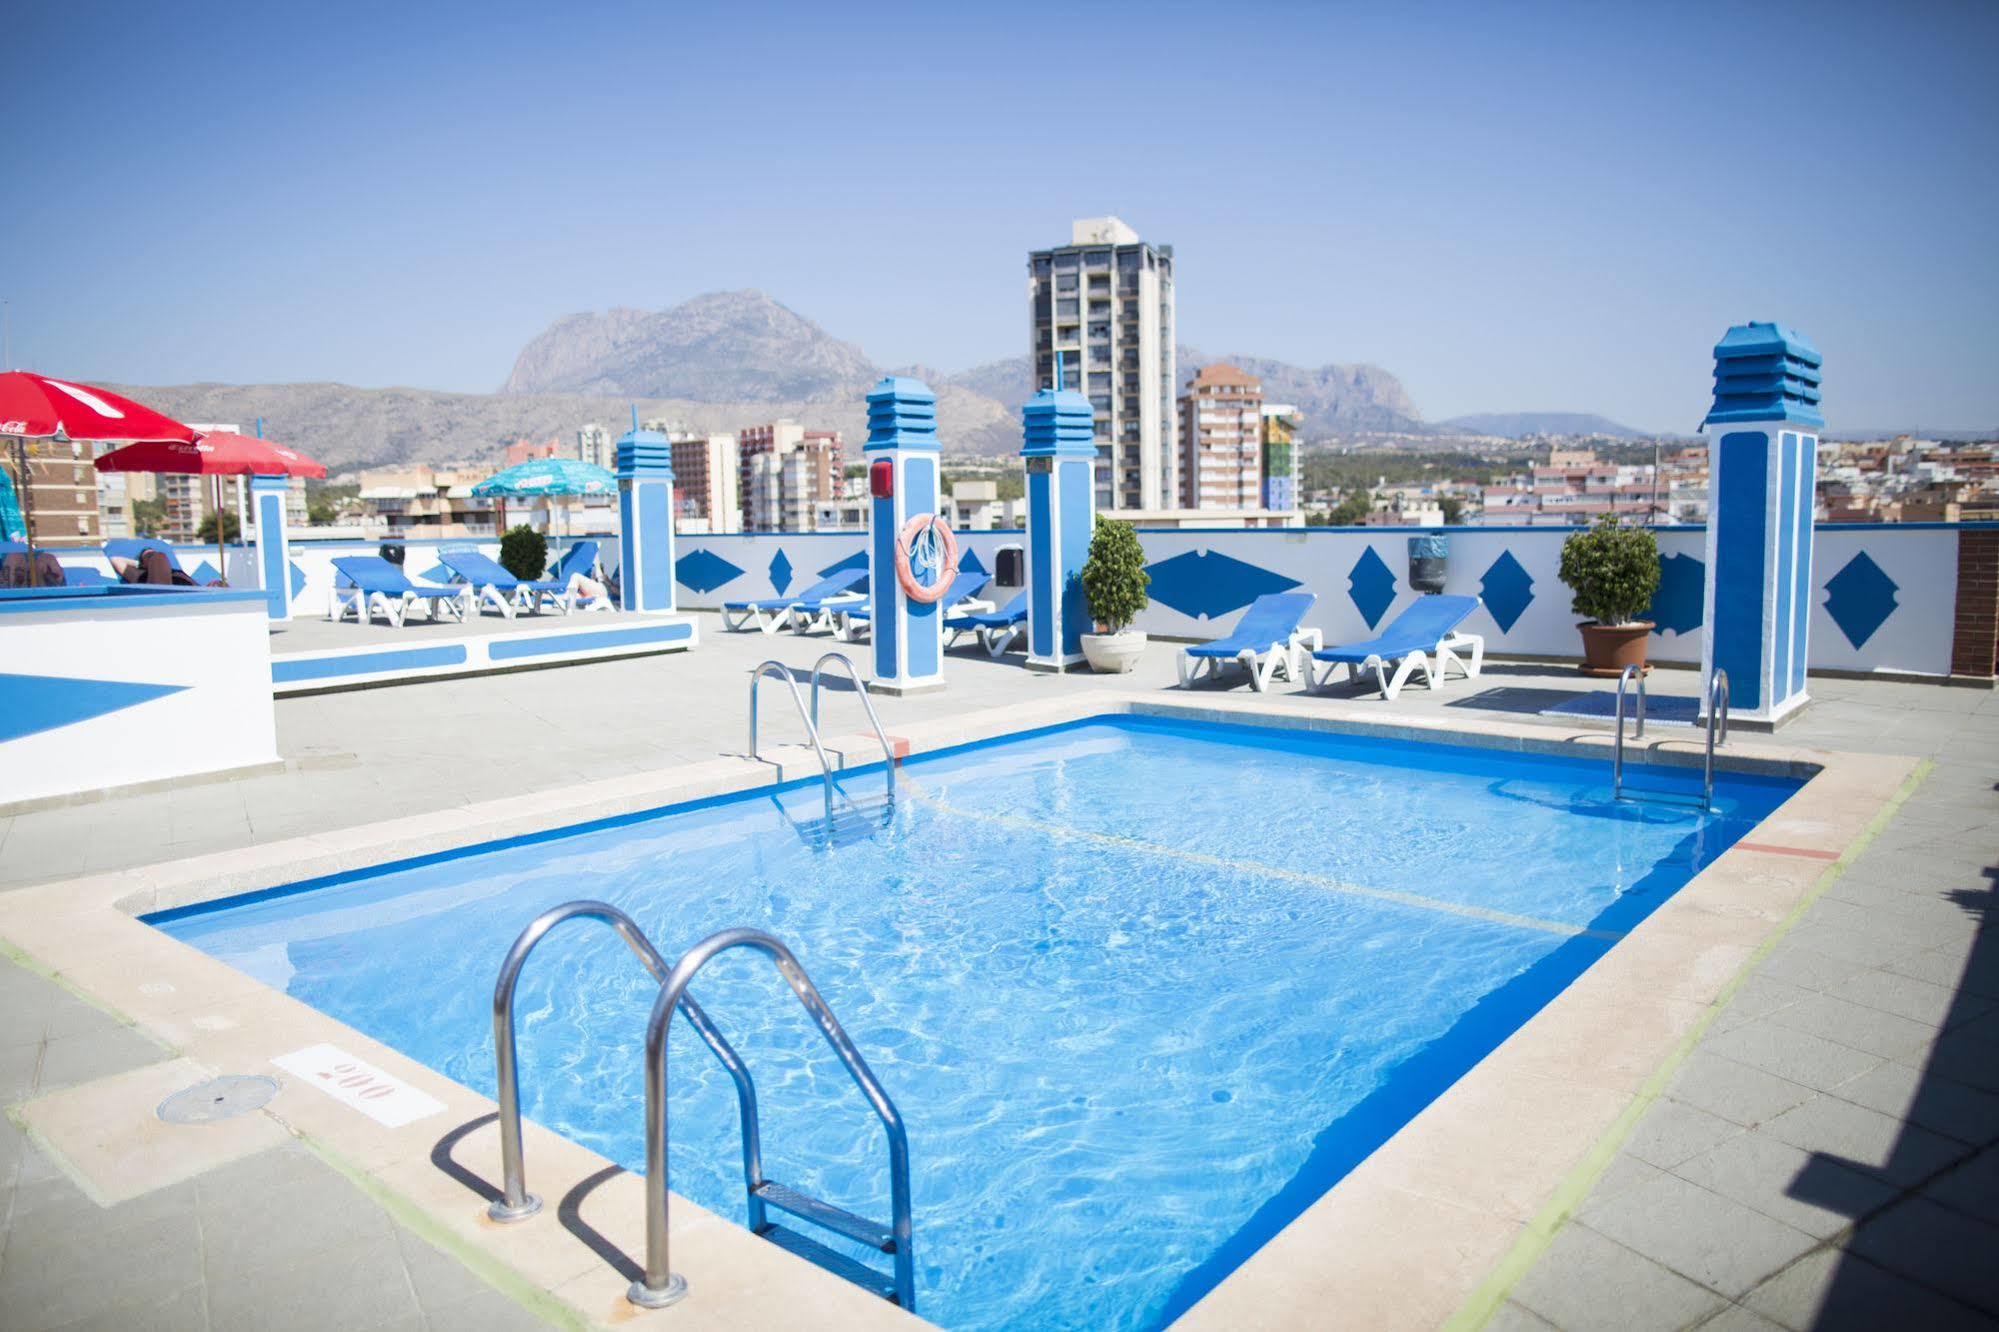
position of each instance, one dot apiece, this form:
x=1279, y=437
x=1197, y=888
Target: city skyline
x=1548, y=209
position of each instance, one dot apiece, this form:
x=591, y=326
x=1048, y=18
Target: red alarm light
x=881, y=479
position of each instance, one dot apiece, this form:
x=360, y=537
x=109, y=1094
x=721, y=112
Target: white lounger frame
x=739, y=618
x=1434, y=665
x=363, y=606
x=1290, y=659
x=804, y=621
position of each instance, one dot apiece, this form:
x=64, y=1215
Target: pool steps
x=811, y=718
x=1715, y=696
x=660, y=1286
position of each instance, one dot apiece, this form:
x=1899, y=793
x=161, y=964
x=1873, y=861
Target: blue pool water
x=1141, y=989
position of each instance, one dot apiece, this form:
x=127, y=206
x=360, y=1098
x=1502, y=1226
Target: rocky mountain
x=731, y=359
x=726, y=346
x=1515, y=425
x=348, y=428
x=1332, y=399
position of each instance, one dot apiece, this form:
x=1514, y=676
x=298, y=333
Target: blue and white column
x=645, y=520
x=267, y=518
x=903, y=459
x=1061, y=455
x=1763, y=436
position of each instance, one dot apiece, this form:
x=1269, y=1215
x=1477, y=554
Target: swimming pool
x=1142, y=989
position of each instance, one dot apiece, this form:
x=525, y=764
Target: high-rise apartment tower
x=1103, y=304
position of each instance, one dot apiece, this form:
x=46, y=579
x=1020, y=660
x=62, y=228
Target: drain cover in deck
x=219, y=1098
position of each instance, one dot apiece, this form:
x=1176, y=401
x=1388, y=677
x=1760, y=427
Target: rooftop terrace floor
x=1826, y=1152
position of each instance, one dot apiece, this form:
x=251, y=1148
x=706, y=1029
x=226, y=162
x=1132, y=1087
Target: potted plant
x=1114, y=581
x=1614, y=571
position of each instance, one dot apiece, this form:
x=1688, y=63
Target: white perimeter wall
x=203, y=702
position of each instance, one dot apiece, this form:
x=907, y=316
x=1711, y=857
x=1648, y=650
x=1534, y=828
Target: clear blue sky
x=1510, y=206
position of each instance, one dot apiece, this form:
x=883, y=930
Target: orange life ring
x=927, y=593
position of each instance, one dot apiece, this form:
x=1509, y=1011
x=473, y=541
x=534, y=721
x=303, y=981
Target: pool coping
x=1403, y=1240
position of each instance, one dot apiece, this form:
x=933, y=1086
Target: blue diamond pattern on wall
x=1201, y=583
x=780, y=573
x=704, y=570
x=203, y=574
x=858, y=560
x=1860, y=598
x=971, y=562
x=298, y=578
x=1507, y=590
x=437, y=573
x=1682, y=588
x=1371, y=584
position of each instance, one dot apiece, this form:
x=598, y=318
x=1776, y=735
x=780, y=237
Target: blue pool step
x=840, y=1222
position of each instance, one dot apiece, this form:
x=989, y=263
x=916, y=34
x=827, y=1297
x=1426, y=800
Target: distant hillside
x=346, y=427
x=726, y=346
x=730, y=359
x=1332, y=399
x=1514, y=425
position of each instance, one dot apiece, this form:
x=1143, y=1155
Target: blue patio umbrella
x=549, y=476
x=546, y=476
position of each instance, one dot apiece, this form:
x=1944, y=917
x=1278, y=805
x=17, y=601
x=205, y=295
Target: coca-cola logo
x=13, y=427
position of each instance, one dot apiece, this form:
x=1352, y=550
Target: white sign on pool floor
x=386, y=1099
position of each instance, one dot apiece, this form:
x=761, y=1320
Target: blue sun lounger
x=770, y=614
x=1266, y=641
x=858, y=618
x=364, y=584
x=581, y=558
x=996, y=629
x=490, y=581
x=1424, y=638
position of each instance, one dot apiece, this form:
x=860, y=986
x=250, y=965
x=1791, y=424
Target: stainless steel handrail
x=1717, y=716
x=811, y=727
x=660, y=1286
x=888, y=752
x=1617, y=750
x=515, y=1202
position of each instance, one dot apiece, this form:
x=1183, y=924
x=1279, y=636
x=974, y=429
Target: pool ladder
x=660, y=1285
x=811, y=720
x=1716, y=698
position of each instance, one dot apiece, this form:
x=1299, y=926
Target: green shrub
x=1612, y=569
x=1114, y=576
x=523, y=552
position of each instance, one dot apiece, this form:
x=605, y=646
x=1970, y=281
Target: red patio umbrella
x=218, y=454
x=35, y=406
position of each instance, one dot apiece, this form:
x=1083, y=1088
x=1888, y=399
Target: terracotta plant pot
x=1609, y=648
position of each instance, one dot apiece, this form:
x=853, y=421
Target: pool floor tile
x=1734, y=1091
x=1841, y=1292
x=1865, y=1140
x=1586, y=1274
x=1787, y=1184
x=1697, y=1233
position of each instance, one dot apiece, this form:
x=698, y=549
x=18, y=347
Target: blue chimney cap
x=1765, y=372
x=902, y=414
x=1058, y=423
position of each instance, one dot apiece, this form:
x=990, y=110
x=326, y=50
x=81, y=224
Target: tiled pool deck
x=1820, y=1152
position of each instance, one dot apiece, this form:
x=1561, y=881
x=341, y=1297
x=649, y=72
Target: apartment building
x=1100, y=311
x=596, y=446
x=57, y=494
x=424, y=501
x=529, y=450
x=707, y=478
x=1221, y=440
x=786, y=470
x=1283, y=471
x=1575, y=488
